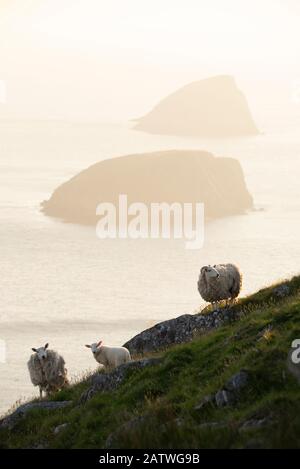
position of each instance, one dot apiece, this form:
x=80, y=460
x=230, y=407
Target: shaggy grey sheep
x=220, y=282
x=109, y=356
x=47, y=370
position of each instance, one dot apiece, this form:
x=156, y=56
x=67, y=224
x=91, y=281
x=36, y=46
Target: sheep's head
x=210, y=272
x=95, y=347
x=41, y=352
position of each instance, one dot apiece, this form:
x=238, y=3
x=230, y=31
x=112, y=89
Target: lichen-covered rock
x=103, y=382
x=179, y=330
x=11, y=420
x=282, y=291
x=224, y=398
x=237, y=381
x=255, y=423
x=228, y=395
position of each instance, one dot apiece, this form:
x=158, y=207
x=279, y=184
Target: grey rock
x=238, y=381
x=179, y=330
x=255, y=423
x=11, y=420
x=281, y=291
x=60, y=428
x=224, y=398
x=104, y=382
x=227, y=395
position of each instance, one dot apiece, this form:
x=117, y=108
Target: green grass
x=164, y=395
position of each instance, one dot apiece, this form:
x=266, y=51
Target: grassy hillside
x=163, y=405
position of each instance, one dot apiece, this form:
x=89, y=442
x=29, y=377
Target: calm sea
x=60, y=284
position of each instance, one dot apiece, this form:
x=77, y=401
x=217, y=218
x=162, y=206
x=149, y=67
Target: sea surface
x=61, y=284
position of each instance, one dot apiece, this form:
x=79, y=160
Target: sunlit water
x=60, y=284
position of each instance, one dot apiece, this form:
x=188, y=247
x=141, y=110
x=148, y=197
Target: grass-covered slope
x=158, y=406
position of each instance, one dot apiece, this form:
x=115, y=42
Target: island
x=184, y=176
x=209, y=108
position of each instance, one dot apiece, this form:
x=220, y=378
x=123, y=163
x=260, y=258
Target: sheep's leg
x=41, y=392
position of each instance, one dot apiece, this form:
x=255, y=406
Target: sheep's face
x=41, y=352
x=95, y=347
x=210, y=272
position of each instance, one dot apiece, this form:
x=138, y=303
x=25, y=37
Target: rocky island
x=164, y=176
x=211, y=108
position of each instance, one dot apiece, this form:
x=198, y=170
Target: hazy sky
x=99, y=59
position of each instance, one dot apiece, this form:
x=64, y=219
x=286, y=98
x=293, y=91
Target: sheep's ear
x=99, y=343
x=34, y=349
x=46, y=346
x=88, y=346
x=202, y=269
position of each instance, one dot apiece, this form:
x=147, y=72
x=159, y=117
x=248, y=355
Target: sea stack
x=210, y=108
x=163, y=176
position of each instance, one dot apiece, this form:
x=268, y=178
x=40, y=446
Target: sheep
x=47, y=370
x=108, y=356
x=220, y=282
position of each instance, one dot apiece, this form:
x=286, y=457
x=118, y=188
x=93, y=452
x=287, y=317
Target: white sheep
x=47, y=370
x=108, y=356
x=220, y=282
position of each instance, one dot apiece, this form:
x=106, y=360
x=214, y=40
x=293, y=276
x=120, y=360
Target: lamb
x=108, y=356
x=220, y=282
x=47, y=370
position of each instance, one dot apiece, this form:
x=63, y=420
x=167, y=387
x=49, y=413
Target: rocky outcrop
x=165, y=176
x=103, y=382
x=213, y=107
x=179, y=330
x=11, y=420
x=228, y=394
x=281, y=291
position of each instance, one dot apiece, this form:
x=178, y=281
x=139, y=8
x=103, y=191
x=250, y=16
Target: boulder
x=179, y=330
x=11, y=420
x=104, y=382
